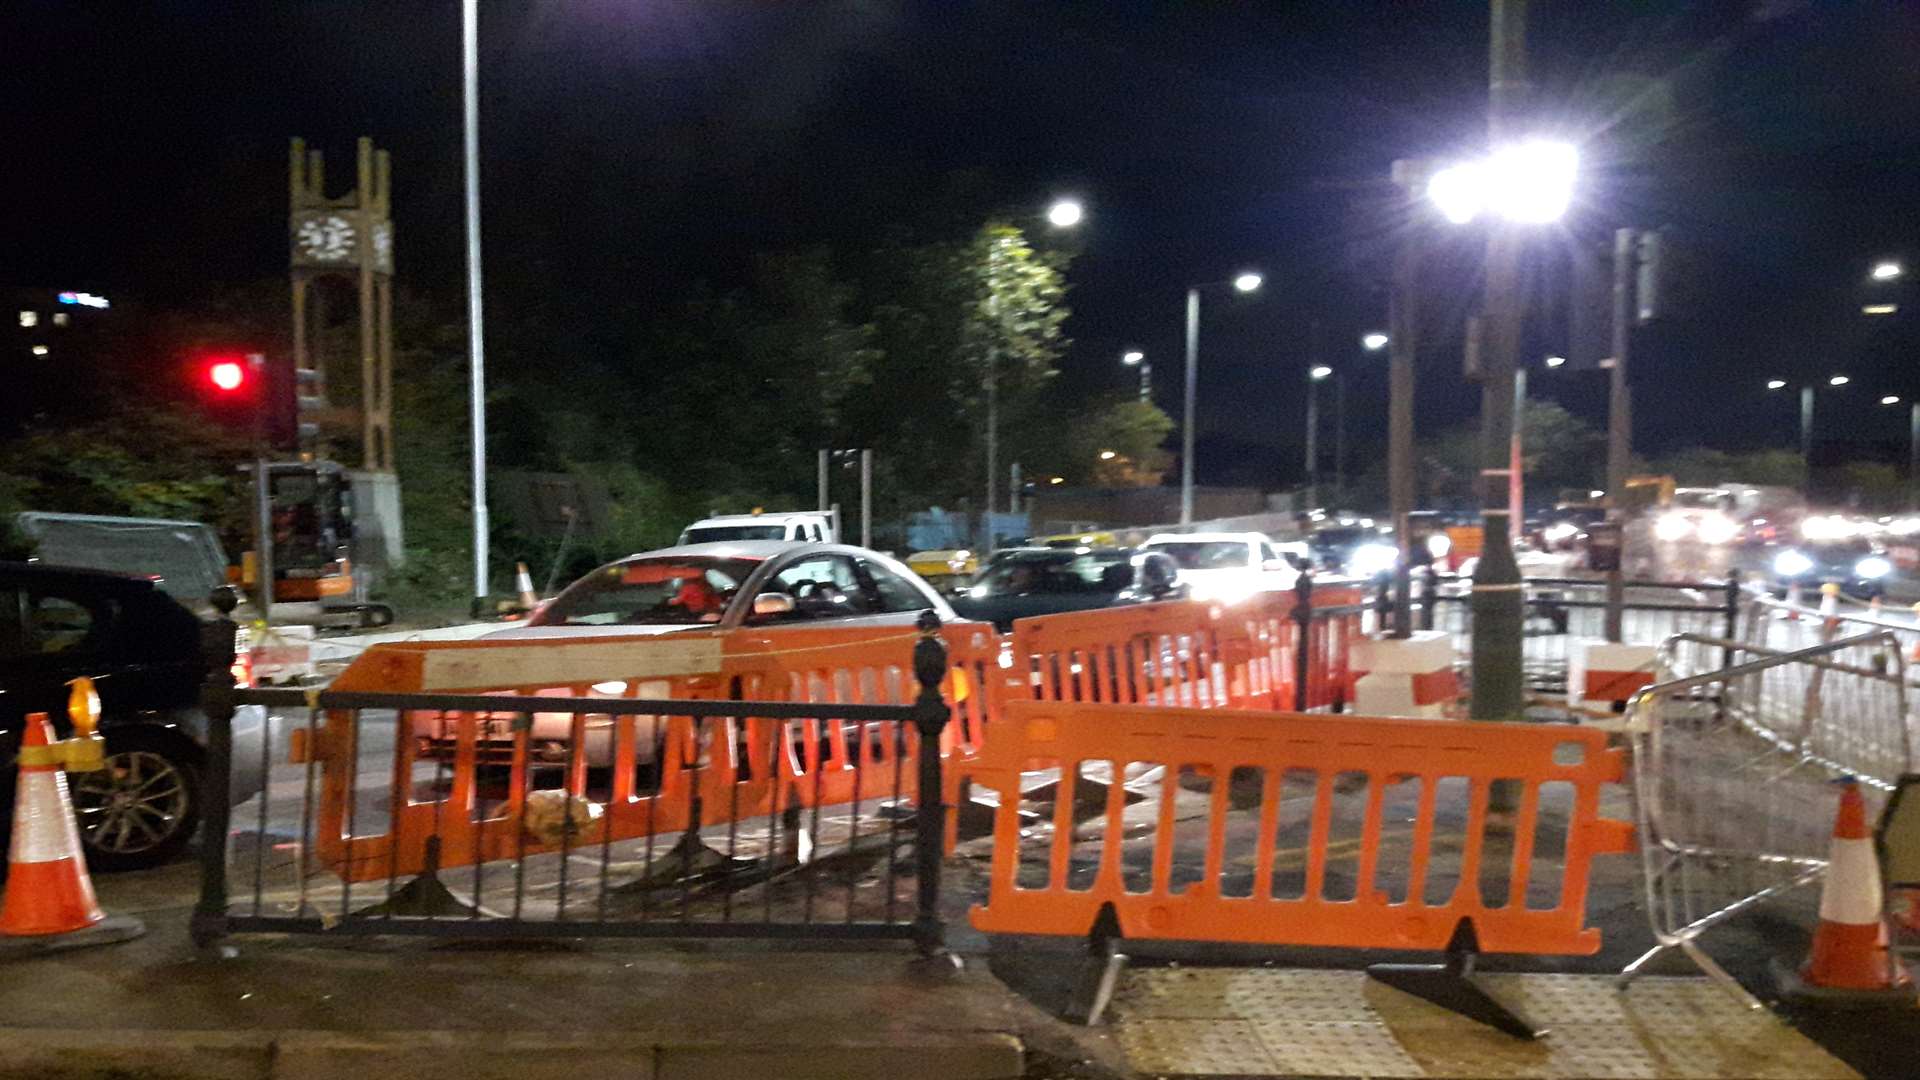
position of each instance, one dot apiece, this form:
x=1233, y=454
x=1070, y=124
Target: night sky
x=630, y=148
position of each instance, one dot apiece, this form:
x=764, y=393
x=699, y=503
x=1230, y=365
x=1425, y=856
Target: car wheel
x=142, y=809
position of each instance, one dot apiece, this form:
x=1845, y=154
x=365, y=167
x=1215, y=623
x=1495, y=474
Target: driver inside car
x=698, y=599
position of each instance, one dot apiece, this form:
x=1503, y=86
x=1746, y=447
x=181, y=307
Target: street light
x=1374, y=342
x=1246, y=281
x=1065, y=213
x=1890, y=399
x=1316, y=374
x=1887, y=270
x=1838, y=380
x=1319, y=372
x=1527, y=183
x=1136, y=358
x=1556, y=361
x=1108, y=455
x=1776, y=384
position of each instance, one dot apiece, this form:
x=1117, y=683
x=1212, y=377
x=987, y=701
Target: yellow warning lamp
x=85, y=750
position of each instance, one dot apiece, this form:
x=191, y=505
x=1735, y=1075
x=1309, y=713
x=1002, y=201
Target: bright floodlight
x=1838, y=380
x=1776, y=384
x=1373, y=342
x=1556, y=361
x=1459, y=191
x=1887, y=271
x=1530, y=183
x=1890, y=399
x=1108, y=455
x=1320, y=371
x=1065, y=214
x=1248, y=281
x=1132, y=357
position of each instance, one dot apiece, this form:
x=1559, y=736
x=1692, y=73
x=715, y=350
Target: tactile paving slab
x=1339, y=1024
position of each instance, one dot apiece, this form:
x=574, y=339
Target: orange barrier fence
x=1283, y=861
x=740, y=767
x=1193, y=654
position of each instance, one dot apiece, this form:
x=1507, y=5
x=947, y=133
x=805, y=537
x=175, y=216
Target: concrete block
x=1380, y=694
x=1425, y=651
x=1605, y=672
x=960, y=1056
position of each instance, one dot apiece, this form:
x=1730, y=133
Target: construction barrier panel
x=442, y=761
x=1282, y=859
x=1194, y=654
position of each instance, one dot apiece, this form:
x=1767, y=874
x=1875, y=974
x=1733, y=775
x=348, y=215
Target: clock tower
x=349, y=237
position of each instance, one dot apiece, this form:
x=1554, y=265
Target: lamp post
x=1246, y=281
x=1136, y=358
x=476, y=348
x=1316, y=375
x=1913, y=449
x=1062, y=214
x=1806, y=423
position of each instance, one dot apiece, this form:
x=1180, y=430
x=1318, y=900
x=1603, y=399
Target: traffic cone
x=1830, y=607
x=49, y=902
x=1850, y=961
x=523, y=584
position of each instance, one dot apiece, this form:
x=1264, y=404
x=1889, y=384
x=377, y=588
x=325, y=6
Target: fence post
x=930, y=714
x=217, y=636
x=1302, y=641
x=1733, y=615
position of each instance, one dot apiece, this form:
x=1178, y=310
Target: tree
x=1074, y=447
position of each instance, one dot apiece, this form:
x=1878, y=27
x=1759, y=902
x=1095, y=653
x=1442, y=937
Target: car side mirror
x=773, y=603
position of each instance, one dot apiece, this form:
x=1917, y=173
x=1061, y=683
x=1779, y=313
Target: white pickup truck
x=817, y=526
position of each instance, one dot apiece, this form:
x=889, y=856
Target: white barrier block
x=1426, y=651
x=1606, y=672
x=1382, y=694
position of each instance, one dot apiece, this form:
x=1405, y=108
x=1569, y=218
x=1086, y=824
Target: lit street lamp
x=1806, y=416
x=1887, y=270
x=1374, y=342
x=1108, y=455
x=1065, y=213
x=1838, y=380
x=1136, y=358
x=1556, y=361
x=1246, y=281
x=1913, y=449
x=1316, y=375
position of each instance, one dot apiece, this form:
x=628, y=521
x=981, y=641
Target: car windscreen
x=1207, y=554
x=1066, y=572
x=650, y=592
x=720, y=534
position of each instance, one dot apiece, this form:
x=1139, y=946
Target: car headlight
x=1791, y=563
x=1369, y=560
x=1439, y=544
x=1716, y=529
x=1672, y=527
x=1873, y=566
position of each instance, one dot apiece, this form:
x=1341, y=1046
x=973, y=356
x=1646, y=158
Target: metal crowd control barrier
x=648, y=820
x=1301, y=830
x=1733, y=762
x=1560, y=611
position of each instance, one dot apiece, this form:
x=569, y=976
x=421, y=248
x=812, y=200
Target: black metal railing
x=591, y=816
x=1559, y=611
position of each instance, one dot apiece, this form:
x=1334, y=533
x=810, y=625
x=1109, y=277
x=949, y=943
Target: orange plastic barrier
x=739, y=767
x=1232, y=892
x=1187, y=653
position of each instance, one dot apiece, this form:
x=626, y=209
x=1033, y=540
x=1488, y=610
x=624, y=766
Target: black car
x=1855, y=564
x=142, y=649
x=1021, y=582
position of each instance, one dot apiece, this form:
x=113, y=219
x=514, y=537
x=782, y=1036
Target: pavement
x=279, y=1009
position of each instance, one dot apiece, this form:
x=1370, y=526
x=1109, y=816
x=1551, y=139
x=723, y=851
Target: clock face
x=326, y=239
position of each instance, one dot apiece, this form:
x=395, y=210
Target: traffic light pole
x=262, y=492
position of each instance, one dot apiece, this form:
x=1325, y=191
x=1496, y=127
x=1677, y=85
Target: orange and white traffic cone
x=1850, y=960
x=49, y=901
x=523, y=584
x=1830, y=607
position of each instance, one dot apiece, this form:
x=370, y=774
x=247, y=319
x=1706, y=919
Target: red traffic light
x=227, y=375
